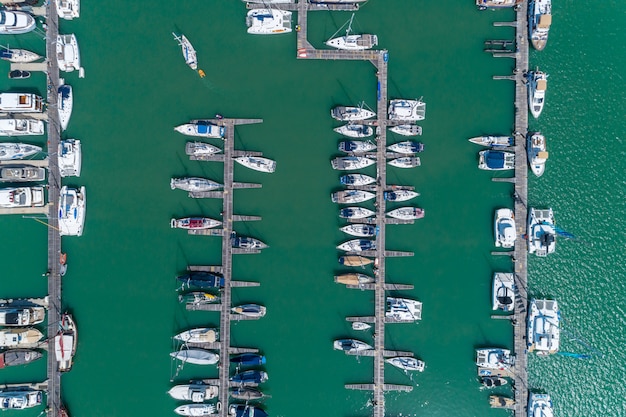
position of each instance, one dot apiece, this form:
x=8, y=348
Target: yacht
x=539, y=21
x=16, y=338
x=493, y=160
x=202, y=128
x=257, y=163
x=249, y=310
x=354, y=130
x=16, y=151
x=359, y=230
x=503, y=292
x=406, y=363
x=406, y=147
x=356, y=146
x=347, y=163
x=245, y=242
x=355, y=213
x=496, y=4
x=21, y=197
x=65, y=343
x=357, y=245
x=347, y=113
x=541, y=232
x=355, y=260
x=201, y=279
x=21, y=127
x=360, y=326
x=70, y=158
x=407, y=110
x=493, y=381
x=19, y=398
x=194, y=223
x=196, y=410
x=198, y=298
x=199, y=149
x=241, y=410
x=407, y=213
x=194, y=184
x=15, y=23
x=68, y=9
x=351, y=345
x=399, y=195
x=537, y=85
x=246, y=394
x=20, y=102
x=72, y=210
x=198, y=335
x=504, y=228
x=189, y=53
x=405, y=162
x=196, y=356
x=494, y=358
x=354, y=279
x=537, y=154
x=493, y=141
x=540, y=405
x=15, y=357
x=543, y=327
x=21, y=173
x=248, y=359
x=351, y=196
x=12, y=315
x=407, y=130
x=195, y=391
x=65, y=104
x=403, y=309
x=68, y=54
x=356, y=179
x=268, y=21
x=250, y=378
x=18, y=55
x=352, y=42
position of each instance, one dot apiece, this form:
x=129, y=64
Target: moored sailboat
x=355, y=213
x=354, y=130
x=359, y=230
x=65, y=104
x=351, y=196
x=406, y=162
x=356, y=179
x=406, y=213
x=194, y=184
x=541, y=232
x=406, y=363
x=357, y=245
x=16, y=151
x=355, y=260
x=65, y=343
x=249, y=310
x=189, y=53
x=195, y=223
x=268, y=21
x=407, y=110
x=257, y=163
x=15, y=357
x=201, y=279
x=348, y=113
x=493, y=141
x=406, y=147
x=350, y=42
x=354, y=279
x=351, y=345
x=196, y=356
x=348, y=163
x=18, y=55
x=407, y=130
x=201, y=128
x=198, y=335
x=399, y=195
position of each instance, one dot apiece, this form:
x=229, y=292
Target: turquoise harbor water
x=120, y=284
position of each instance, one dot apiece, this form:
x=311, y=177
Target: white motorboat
x=20, y=102
x=354, y=130
x=406, y=363
x=194, y=223
x=21, y=127
x=200, y=149
x=360, y=326
x=70, y=158
x=249, y=310
x=403, y=309
x=356, y=146
x=18, y=55
x=541, y=232
x=68, y=54
x=537, y=154
x=352, y=42
x=504, y=228
x=399, y=195
x=407, y=130
x=359, y=230
x=494, y=358
x=21, y=197
x=493, y=160
x=65, y=343
x=257, y=163
x=503, y=292
x=356, y=179
x=351, y=345
x=15, y=23
x=12, y=315
x=65, y=105
x=194, y=184
x=268, y=21
x=16, y=151
x=68, y=9
x=196, y=410
x=407, y=147
x=202, y=128
x=355, y=213
x=21, y=173
x=493, y=141
x=19, y=398
x=16, y=338
x=196, y=356
x=198, y=335
x=351, y=196
x=347, y=113
x=407, y=110
x=72, y=210
x=348, y=163
x=405, y=162
x=196, y=392
x=354, y=279
x=357, y=245
x=544, y=318
x=246, y=242
x=539, y=22
x=407, y=213
x=540, y=405
x=496, y=4
x=189, y=53
x=537, y=85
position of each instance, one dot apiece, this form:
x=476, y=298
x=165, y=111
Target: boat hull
x=355, y=130
x=405, y=162
x=407, y=213
x=70, y=158
x=503, y=292
x=407, y=130
x=65, y=104
x=17, y=357
x=268, y=21
x=355, y=260
x=355, y=213
x=257, y=163
x=196, y=356
x=17, y=151
x=72, y=211
x=201, y=128
x=504, y=228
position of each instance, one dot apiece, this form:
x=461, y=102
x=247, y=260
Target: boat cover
x=495, y=159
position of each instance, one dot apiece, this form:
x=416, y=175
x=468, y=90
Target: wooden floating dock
x=205, y=268
x=30, y=66
x=27, y=210
x=386, y=387
x=39, y=163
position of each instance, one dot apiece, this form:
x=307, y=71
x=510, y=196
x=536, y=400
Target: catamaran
x=544, y=318
x=68, y=54
x=70, y=158
x=68, y=9
x=72, y=208
x=403, y=309
x=268, y=21
x=494, y=358
x=189, y=53
x=541, y=232
x=407, y=110
x=352, y=42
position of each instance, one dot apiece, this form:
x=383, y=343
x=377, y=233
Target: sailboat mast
x=349, y=26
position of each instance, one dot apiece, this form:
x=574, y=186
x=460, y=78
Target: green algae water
x=120, y=285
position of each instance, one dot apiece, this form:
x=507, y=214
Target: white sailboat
x=189, y=53
x=18, y=55
x=65, y=104
x=352, y=42
x=257, y=163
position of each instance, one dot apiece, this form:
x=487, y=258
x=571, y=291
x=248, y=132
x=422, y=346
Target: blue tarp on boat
x=494, y=159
